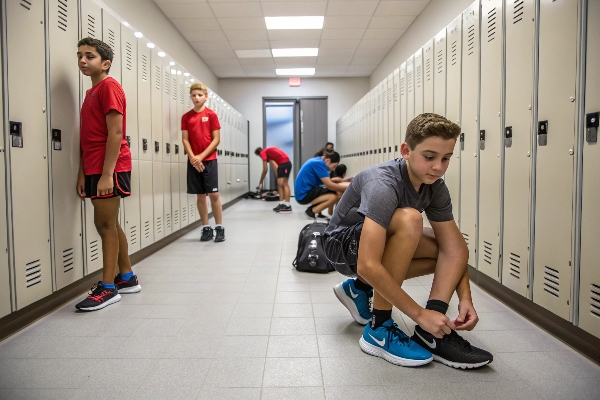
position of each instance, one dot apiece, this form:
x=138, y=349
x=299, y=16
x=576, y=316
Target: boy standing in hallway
x=105, y=171
x=201, y=134
x=281, y=164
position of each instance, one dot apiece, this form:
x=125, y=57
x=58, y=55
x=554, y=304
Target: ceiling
x=355, y=38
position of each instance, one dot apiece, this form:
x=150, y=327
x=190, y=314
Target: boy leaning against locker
x=201, y=134
x=377, y=238
x=105, y=171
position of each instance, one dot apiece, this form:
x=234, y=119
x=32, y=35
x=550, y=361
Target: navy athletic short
x=341, y=249
x=203, y=182
x=122, y=185
x=314, y=193
x=283, y=171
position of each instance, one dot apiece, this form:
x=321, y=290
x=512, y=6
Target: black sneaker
x=452, y=350
x=99, y=297
x=130, y=286
x=207, y=234
x=220, y=234
x=279, y=207
x=322, y=216
x=285, y=209
x=309, y=213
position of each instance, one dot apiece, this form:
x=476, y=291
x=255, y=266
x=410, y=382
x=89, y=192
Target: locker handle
x=543, y=133
x=156, y=146
x=176, y=149
x=508, y=136
x=128, y=139
x=56, y=139
x=168, y=148
x=145, y=144
x=16, y=131
x=482, y=139
x=591, y=127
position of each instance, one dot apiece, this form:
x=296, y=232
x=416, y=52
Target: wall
x=157, y=28
x=246, y=96
x=435, y=17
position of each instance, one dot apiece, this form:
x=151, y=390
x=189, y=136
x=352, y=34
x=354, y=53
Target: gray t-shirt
x=378, y=191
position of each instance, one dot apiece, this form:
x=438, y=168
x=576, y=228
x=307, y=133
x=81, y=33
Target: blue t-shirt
x=310, y=176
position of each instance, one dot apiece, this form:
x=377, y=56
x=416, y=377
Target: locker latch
x=168, y=148
x=145, y=144
x=591, y=127
x=176, y=149
x=390, y=149
x=462, y=141
x=384, y=150
x=156, y=146
x=56, y=143
x=370, y=151
x=379, y=151
x=543, y=133
x=508, y=136
x=482, y=139
x=128, y=138
x=396, y=148
x=16, y=131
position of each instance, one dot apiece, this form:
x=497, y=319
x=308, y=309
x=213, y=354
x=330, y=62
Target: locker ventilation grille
x=157, y=78
x=389, y=94
x=491, y=24
x=395, y=91
x=440, y=61
x=168, y=221
x=454, y=53
x=192, y=213
x=487, y=252
x=551, y=281
x=33, y=273
x=94, y=250
x=409, y=76
x=91, y=26
x=515, y=265
x=133, y=236
x=159, y=225
x=466, y=236
x=181, y=94
x=428, y=69
x=176, y=217
x=419, y=75
x=26, y=4
x=174, y=85
x=128, y=56
x=167, y=83
x=517, y=11
x=147, y=230
x=144, y=68
x=67, y=259
x=471, y=40
x=595, y=300
x=111, y=38
x=62, y=15
x=184, y=214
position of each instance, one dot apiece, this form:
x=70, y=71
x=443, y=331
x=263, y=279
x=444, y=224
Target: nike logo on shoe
x=431, y=345
x=379, y=342
x=354, y=295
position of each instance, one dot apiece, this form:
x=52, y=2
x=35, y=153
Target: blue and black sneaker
x=356, y=301
x=390, y=343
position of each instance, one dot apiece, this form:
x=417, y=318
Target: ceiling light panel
x=296, y=52
x=315, y=22
x=295, y=71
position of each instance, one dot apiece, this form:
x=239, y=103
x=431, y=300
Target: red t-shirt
x=93, y=132
x=274, y=154
x=200, y=126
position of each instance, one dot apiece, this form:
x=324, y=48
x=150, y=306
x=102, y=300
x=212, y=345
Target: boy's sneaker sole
x=379, y=352
x=459, y=365
x=113, y=300
x=349, y=304
x=132, y=289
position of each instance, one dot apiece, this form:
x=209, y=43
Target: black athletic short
x=122, y=182
x=203, y=182
x=314, y=193
x=341, y=249
x=283, y=171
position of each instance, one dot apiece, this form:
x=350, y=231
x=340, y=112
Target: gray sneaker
x=207, y=234
x=285, y=209
x=220, y=237
x=279, y=207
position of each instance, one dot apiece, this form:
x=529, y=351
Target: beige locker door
x=552, y=285
x=418, y=77
x=131, y=211
x=65, y=157
x=169, y=83
x=111, y=35
x=396, y=132
x=470, y=127
x=453, y=102
x=158, y=202
x=383, y=123
x=156, y=99
x=174, y=118
x=403, y=101
x=28, y=175
x=183, y=197
x=410, y=89
x=5, y=292
x=176, y=221
x=182, y=109
x=428, y=76
x=193, y=215
x=490, y=138
x=439, y=73
x=390, y=106
x=166, y=181
x=589, y=293
x=145, y=144
x=146, y=204
x=129, y=71
x=518, y=121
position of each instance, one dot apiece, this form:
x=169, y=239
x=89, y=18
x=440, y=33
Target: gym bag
x=311, y=254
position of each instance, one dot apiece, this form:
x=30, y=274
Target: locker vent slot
x=159, y=226
x=487, y=252
x=551, y=281
x=111, y=38
x=389, y=94
x=491, y=24
x=144, y=68
x=515, y=265
x=454, y=53
x=128, y=56
x=26, y=4
x=67, y=260
x=395, y=91
x=33, y=273
x=471, y=40
x=192, y=213
x=184, y=213
x=94, y=250
x=133, y=238
x=157, y=78
x=181, y=94
x=418, y=76
x=167, y=83
x=517, y=11
x=176, y=217
x=62, y=15
x=440, y=61
x=428, y=69
x=147, y=229
x=595, y=302
x=466, y=236
x=91, y=26
x=174, y=86
x=410, y=81
x=168, y=221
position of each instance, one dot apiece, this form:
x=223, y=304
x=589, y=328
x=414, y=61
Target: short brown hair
x=199, y=86
x=257, y=151
x=105, y=51
x=428, y=125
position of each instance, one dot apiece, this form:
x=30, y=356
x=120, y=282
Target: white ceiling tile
x=260, y=53
x=404, y=7
x=250, y=44
x=371, y=52
x=159, y=2
x=293, y=8
x=341, y=44
x=204, y=36
x=335, y=34
x=242, y=23
x=383, y=34
x=217, y=54
x=365, y=61
x=294, y=34
x=230, y=10
x=220, y=63
x=229, y=71
x=296, y=62
x=328, y=60
x=259, y=71
x=356, y=67
x=340, y=68
x=391, y=22
x=292, y=44
x=247, y=34
x=359, y=74
x=376, y=44
x=351, y=7
x=336, y=52
x=195, y=24
x=201, y=10
x=210, y=46
x=264, y=62
x=345, y=22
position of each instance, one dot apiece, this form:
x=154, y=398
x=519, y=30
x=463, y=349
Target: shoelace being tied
x=396, y=335
x=454, y=336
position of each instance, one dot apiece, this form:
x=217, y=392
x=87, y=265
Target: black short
x=341, y=249
x=203, y=182
x=314, y=193
x=283, y=171
x=122, y=182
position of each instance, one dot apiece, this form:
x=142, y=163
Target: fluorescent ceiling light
x=186, y=74
x=311, y=52
x=192, y=80
x=295, y=71
x=172, y=63
x=161, y=54
x=139, y=34
x=126, y=24
x=294, y=22
x=266, y=53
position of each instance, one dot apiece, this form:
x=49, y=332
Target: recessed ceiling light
x=161, y=54
x=266, y=53
x=295, y=71
x=139, y=34
x=192, y=80
x=310, y=52
x=126, y=24
x=294, y=22
x=178, y=72
x=172, y=63
x=186, y=74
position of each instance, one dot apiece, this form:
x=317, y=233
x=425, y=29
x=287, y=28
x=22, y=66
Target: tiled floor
x=233, y=320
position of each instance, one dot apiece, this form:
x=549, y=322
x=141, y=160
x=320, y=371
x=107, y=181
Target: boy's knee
x=407, y=220
x=105, y=227
x=214, y=196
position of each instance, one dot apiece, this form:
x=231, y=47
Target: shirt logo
x=379, y=342
x=431, y=345
x=204, y=119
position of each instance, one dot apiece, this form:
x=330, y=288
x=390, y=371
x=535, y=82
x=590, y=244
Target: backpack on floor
x=311, y=254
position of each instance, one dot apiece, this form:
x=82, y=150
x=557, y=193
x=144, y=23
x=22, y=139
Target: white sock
x=217, y=225
x=203, y=226
x=286, y=203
